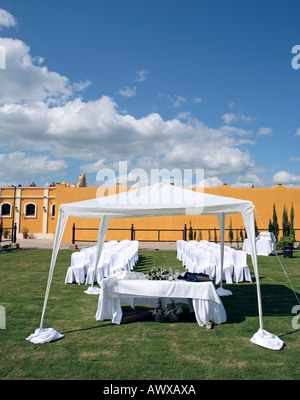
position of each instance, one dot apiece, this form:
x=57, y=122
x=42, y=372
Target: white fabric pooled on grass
x=267, y=340
x=44, y=336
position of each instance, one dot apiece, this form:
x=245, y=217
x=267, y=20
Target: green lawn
x=146, y=349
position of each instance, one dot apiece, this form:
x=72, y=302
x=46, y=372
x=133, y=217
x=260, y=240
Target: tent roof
x=155, y=200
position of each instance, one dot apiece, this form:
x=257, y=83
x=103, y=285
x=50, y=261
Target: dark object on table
x=195, y=277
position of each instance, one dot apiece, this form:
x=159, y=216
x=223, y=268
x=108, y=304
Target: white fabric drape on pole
x=221, y=219
x=248, y=217
x=261, y=337
x=221, y=291
x=101, y=239
x=61, y=223
x=42, y=335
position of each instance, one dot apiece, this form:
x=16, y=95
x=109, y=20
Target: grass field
x=142, y=350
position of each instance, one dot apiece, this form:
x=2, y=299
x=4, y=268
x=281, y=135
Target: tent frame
x=105, y=212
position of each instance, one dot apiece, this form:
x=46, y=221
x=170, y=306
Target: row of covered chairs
x=205, y=257
x=115, y=256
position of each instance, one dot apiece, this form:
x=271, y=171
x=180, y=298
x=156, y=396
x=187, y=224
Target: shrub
x=285, y=241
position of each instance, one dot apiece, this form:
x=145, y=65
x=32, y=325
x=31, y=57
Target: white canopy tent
x=157, y=200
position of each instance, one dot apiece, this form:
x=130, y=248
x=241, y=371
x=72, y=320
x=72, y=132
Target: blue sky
x=159, y=84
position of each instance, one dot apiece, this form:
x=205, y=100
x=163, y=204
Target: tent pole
x=221, y=218
x=61, y=223
x=250, y=229
x=101, y=238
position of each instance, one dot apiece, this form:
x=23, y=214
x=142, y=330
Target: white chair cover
x=227, y=267
x=113, y=242
x=76, y=272
x=135, y=246
x=106, y=262
x=241, y=269
x=192, y=263
x=211, y=250
x=99, y=275
x=117, y=262
x=185, y=255
x=88, y=251
x=203, y=262
x=179, y=245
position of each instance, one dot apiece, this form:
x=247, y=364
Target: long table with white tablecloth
x=133, y=288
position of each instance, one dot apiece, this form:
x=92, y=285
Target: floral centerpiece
x=157, y=274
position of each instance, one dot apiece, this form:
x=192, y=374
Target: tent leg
x=61, y=223
x=220, y=290
x=101, y=238
x=250, y=230
x=48, y=335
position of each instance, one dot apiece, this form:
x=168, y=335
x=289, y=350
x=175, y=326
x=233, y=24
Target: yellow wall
x=42, y=224
x=33, y=224
x=51, y=226
x=7, y=197
x=262, y=198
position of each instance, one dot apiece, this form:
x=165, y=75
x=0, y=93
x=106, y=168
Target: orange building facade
x=36, y=208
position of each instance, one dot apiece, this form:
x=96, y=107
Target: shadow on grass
x=277, y=300
x=106, y=324
x=144, y=263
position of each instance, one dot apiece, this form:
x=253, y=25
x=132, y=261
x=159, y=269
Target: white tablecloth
x=115, y=290
x=264, y=247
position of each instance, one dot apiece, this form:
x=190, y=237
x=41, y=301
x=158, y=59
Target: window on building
x=53, y=211
x=30, y=210
x=6, y=210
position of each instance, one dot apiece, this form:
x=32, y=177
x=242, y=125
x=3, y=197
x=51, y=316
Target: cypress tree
x=275, y=223
x=237, y=238
x=230, y=233
x=292, y=231
x=242, y=234
x=191, y=235
x=256, y=229
x=271, y=228
x=285, y=222
x=215, y=235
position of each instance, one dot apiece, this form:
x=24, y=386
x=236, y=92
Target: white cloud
x=230, y=118
x=178, y=101
x=39, y=112
x=248, y=180
x=25, y=81
x=128, y=91
x=6, y=19
x=94, y=130
x=263, y=131
x=19, y=165
x=286, y=179
x=142, y=75
x=93, y=167
x=211, y=182
x=298, y=132
x=198, y=100
x=184, y=116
